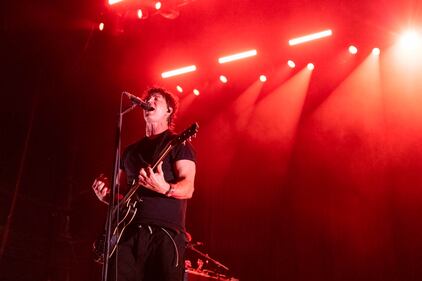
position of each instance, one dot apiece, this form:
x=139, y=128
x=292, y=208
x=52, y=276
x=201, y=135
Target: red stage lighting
x=310, y=66
x=179, y=89
x=291, y=64
x=178, y=71
x=223, y=79
x=410, y=40
x=112, y=2
x=353, y=50
x=376, y=51
x=140, y=14
x=238, y=56
x=101, y=26
x=158, y=5
x=263, y=78
x=195, y=92
x=310, y=37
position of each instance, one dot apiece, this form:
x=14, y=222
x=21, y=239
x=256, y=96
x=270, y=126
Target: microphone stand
x=115, y=188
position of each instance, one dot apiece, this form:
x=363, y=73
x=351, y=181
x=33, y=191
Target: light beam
x=310, y=37
x=178, y=71
x=237, y=56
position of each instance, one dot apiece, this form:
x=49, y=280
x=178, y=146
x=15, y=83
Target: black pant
x=149, y=253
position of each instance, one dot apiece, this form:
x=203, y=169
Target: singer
x=152, y=247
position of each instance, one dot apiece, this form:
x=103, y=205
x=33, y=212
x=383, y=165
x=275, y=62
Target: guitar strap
x=164, y=141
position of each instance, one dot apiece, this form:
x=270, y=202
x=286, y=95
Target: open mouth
x=150, y=108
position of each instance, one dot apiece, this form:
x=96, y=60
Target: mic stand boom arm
x=219, y=264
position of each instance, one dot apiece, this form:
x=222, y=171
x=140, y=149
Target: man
x=152, y=247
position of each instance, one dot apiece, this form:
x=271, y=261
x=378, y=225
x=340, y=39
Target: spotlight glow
x=195, y=92
x=223, y=79
x=101, y=26
x=263, y=78
x=410, y=40
x=376, y=51
x=310, y=66
x=310, y=37
x=139, y=13
x=237, y=56
x=158, y=5
x=353, y=50
x=179, y=89
x=112, y=2
x=178, y=71
x=291, y=64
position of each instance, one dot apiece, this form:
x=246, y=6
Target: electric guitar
x=125, y=210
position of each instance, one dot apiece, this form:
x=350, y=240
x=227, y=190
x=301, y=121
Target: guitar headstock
x=187, y=134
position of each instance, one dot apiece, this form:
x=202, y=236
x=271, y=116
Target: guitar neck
x=136, y=185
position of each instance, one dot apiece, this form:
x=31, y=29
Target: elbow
x=189, y=194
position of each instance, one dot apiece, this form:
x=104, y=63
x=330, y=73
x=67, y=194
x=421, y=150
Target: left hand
x=154, y=181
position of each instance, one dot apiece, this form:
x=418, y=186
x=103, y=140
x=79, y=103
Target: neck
x=153, y=129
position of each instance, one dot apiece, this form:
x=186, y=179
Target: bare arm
x=182, y=189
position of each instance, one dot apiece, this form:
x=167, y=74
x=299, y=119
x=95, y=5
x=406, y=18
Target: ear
x=170, y=110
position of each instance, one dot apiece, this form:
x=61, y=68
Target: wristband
x=169, y=191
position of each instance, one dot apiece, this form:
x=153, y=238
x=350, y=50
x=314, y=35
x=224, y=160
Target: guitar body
x=127, y=212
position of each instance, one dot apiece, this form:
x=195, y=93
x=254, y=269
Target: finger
x=104, y=192
x=149, y=171
x=143, y=173
x=95, y=186
x=100, y=186
x=141, y=179
x=96, y=182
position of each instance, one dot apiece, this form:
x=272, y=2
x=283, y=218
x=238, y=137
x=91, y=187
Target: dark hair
x=171, y=101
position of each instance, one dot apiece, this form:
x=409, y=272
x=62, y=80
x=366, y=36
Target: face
x=161, y=109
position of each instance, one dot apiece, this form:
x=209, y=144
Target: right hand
x=101, y=187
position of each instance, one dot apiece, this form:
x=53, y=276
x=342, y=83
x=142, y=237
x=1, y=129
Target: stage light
x=376, y=51
x=195, y=92
x=263, y=78
x=178, y=71
x=223, y=79
x=179, y=89
x=112, y=2
x=237, y=56
x=310, y=66
x=101, y=26
x=353, y=50
x=410, y=40
x=291, y=64
x=139, y=13
x=157, y=5
x=310, y=37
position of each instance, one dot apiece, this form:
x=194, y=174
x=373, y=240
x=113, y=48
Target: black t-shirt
x=156, y=208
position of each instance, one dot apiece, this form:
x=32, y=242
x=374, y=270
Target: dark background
x=330, y=200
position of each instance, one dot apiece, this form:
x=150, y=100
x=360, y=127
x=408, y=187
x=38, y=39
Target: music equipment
x=125, y=210
x=138, y=101
x=197, y=275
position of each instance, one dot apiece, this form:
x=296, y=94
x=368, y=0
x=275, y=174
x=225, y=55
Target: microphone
x=138, y=101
